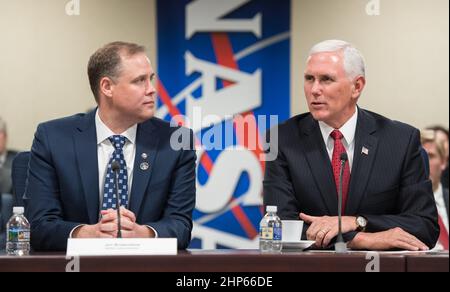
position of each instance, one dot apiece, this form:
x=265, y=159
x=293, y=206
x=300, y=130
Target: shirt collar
x=348, y=129
x=103, y=132
x=2, y=158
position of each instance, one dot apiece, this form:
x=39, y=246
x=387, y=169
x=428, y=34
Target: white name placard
x=121, y=246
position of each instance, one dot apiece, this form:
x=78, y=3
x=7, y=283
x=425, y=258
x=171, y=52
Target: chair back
x=19, y=174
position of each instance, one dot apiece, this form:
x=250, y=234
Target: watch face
x=362, y=221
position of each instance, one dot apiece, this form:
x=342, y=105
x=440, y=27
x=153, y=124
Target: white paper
x=121, y=246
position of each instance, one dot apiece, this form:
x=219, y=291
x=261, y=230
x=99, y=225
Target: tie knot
x=118, y=141
x=336, y=135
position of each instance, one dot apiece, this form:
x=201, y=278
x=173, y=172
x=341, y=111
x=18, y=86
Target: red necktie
x=443, y=235
x=336, y=163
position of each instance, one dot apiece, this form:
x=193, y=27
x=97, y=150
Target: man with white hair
x=387, y=198
x=6, y=158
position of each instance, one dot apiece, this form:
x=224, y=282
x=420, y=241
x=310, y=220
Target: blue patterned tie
x=109, y=190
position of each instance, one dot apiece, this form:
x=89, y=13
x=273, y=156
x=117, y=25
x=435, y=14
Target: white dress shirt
x=348, y=131
x=442, y=211
x=440, y=204
x=2, y=159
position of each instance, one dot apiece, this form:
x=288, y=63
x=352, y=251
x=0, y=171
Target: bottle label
x=277, y=233
x=266, y=233
x=18, y=235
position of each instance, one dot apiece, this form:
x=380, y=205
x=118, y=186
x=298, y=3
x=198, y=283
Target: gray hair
x=2, y=126
x=354, y=64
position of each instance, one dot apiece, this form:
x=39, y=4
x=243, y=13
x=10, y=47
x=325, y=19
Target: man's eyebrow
x=327, y=75
x=140, y=77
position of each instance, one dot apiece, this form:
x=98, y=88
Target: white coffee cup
x=291, y=230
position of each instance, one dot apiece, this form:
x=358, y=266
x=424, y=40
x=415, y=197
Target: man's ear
x=106, y=86
x=358, y=86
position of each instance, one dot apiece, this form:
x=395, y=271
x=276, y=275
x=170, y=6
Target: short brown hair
x=106, y=62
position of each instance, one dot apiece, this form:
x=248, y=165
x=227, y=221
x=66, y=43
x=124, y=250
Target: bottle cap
x=18, y=210
x=271, y=208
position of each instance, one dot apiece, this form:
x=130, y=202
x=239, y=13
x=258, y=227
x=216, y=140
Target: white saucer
x=298, y=245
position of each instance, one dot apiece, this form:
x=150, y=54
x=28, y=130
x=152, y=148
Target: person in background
x=435, y=148
x=442, y=136
x=6, y=159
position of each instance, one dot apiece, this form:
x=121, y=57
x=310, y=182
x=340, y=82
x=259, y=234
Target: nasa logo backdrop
x=224, y=67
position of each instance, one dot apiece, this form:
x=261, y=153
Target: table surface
x=233, y=261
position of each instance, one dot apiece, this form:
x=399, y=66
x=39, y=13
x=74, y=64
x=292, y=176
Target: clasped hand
x=108, y=227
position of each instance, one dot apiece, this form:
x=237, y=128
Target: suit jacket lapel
x=315, y=152
x=146, y=143
x=85, y=139
x=363, y=159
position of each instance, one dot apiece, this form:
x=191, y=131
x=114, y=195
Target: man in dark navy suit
x=387, y=198
x=71, y=189
x=6, y=159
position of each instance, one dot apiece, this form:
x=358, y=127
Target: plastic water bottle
x=270, y=231
x=18, y=234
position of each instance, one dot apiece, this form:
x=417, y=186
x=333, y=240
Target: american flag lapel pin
x=365, y=151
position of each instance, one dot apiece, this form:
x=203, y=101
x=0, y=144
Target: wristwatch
x=361, y=222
